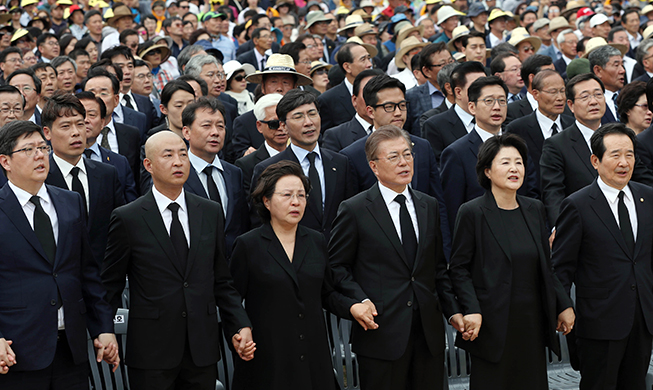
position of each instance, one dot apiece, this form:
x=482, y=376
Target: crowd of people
x=392, y=162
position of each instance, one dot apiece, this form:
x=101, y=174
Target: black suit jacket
x=481, y=272
x=343, y=135
x=249, y=45
x=518, y=109
x=565, y=168
x=30, y=284
x=442, y=130
x=608, y=117
x=590, y=252
x=335, y=106
x=168, y=302
x=231, y=110
x=644, y=147
x=104, y=195
x=338, y=181
x=249, y=57
x=144, y=105
x=560, y=66
x=247, y=164
x=129, y=145
x=368, y=261
x=245, y=134
x=645, y=77
x=136, y=119
x=236, y=217
x=432, y=112
x=125, y=174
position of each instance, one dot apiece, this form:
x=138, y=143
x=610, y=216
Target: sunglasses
x=155, y=51
x=321, y=71
x=239, y=78
x=273, y=124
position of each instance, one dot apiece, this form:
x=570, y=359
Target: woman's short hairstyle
x=628, y=97
x=172, y=87
x=489, y=150
x=384, y=133
x=267, y=184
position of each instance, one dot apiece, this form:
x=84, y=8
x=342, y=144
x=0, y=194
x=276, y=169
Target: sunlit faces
x=27, y=171
x=264, y=41
x=512, y=74
x=179, y=100
x=460, y=93
x=25, y=84
x=102, y=88
x=639, y=117
x=277, y=138
x=526, y=50
x=49, y=48
x=92, y=51
x=490, y=109
x=93, y=120
x=66, y=77
x=303, y=66
x=617, y=163
x=167, y=160
x=278, y=83
x=551, y=96
x=127, y=67
x=588, y=104
x=507, y=170
x=212, y=77
x=142, y=83
x=13, y=61
x=361, y=61
x=238, y=82
x=303, y=126
x=436, y=62
x=475, y=49
x=568, y=46
x=29, y=59
x=48, y=81
x=67, y=136
x=388, y=109
x=288, y=201
x=206, y=134
x=393, y=164
x=11, y=107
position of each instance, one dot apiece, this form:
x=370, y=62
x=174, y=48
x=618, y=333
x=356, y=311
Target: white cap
x=598, y=19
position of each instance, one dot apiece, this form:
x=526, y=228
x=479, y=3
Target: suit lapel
x=55, y=176
x=531, y=217
x=535, y=131
x=275, y=249
x=458, y=128
x=195, y=185
x=380, y=213
x=195, y=220
x=154, y=221
x=301, y=249
x=643, y=224
x=422, y=223
x=493, y=219
x=229, y=181
x=330, y=180
x=94, y=190
x=357, y=130
x=600, y=206
x=475, y=142
x=580, y=147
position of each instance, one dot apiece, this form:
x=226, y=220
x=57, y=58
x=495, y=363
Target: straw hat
x=149, y=46
x=6, y=17
x=361, y=12
x=407, y=30
x=459, y=57
x=98, y=3
x=496, y=14
x=648, y=32
x=352, y=21
x=364, y=29
x=572, y=7
x=407, y=45
x=646, y=9
x=314, y=17
x=119, y=12
x=370, y=49
x=315, y=65
x=597, y=42
x=279, y=64
x=520, y=35
x=231, y=67
x=557, y=23
x=445, y=12
x=456, y=34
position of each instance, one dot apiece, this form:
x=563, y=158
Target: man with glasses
x=567, y=42
x=48, y=46
x=328, y=171
x=508, y=67
x=519, y=108
x=11, y=59
x=143, y=84
x=257, y=57
x=488, y=104
x=428, y=95
x=12, y=104
x=645, y=59
x=30, y=87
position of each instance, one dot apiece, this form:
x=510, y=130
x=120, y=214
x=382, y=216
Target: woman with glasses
x=281, y=270
x=501, y=272
x=237, y=85
x=320, y=75
x=633, y=108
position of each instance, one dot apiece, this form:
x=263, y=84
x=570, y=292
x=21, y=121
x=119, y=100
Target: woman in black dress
x=501, y=272
x=281, y=270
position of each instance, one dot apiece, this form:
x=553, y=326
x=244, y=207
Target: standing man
x=173, y=28
x=171, y=245
x=507, y=66
x=630, y=21
x=257, y=57
x=12, y=105
x=48, y=46
x=386, y=250
x=318, y=24
x=603, y=247
x=66, y=73
x=213, y=23
x=567, y=42
x=30, y=87
x=51, y=288
x=526, y=104
x=607, y=64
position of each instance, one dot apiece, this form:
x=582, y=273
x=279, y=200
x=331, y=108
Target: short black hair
x=43, y=65
x=532, y=65
x=613, y=31
x=14, y=130
x=571, y=84
x=258, y=17
x=489, y=150
x=472, y=34
x=78, y=53
x=11, y=89
x=498, y=64
x=101, y=72
x=363, y=75
x=189, y=114
x=475, y=89
x=503, y=47
x=596, y=141
x=9, y=50
x=126, y=33
x=90, y=14
x=86, y=95
x=459, y=75
x=60, y=104
x=267, y=183
x=84, y=42
x=257, y=33
x=172, y=87
x=344, y=54
x=522, y=16
x=293, y=99
x=203, y=86
x=628, y=97
x=293, y=49
x=41, y=39
x=106, y=63
x=117, y=51
x=379, y=83
x=168, y=21
x=29, y=72
x=542, y=75
x=428, y=51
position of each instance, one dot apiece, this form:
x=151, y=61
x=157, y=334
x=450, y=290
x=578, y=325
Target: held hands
x=244, y=344
x=472, y=323
x=364, y=313
x=106, y=348
x=457, y=322
x=566, y=321
x=7, y=356
x=551, y=238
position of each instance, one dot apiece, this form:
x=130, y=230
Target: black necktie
x=624, y=224
x=554, y=129
x=77, y=185
x=128, y=101
x=408, y=237
x=88, y=153
x=177, y=236
x=316, y=190
x=43, y=229
x=214, y=193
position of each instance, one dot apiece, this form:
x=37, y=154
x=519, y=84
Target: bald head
x=166, y=159
x=161, y=140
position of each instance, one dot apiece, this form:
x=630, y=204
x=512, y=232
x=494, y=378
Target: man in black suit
x=258, y=21
x=276, y=138
x=508, y=66
x=51, y=291
x=386, y=251
x=170, y=243
x=443, y=129
x=567, y=42
x=328, y=171
x=603, y=247
x=548, y=90
x=30, y=87
x=335, y=104
x=444, y=80
x=645, y=59
x=606, y=62
x=527, y=104
x=565, y=165
x=345, y=134
x=96, y=183
x=116, y=137
x=257, y=57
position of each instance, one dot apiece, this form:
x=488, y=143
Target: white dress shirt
x=95, y=152
x=612, y=196
x=494, y=41
x=271, y=151
x=610, y=104
x=66, y=170
x=302, y=156
x=111, y=135
x=199, y=165
x=162, y=203
x=465, y=117
x=350, y=87
x=394, y=208
x=123, y=101
x=29, y=208
x=485, y=135
x=367, y=126
x=407, y=77
x=532, y=101
x=546, y=124
x=118, y=115
x=587, y=134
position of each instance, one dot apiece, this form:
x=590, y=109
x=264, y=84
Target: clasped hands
x=468, y=325
x=244, y=344
x=364, y=314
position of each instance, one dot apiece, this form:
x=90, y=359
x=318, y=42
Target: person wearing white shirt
x=606, y=63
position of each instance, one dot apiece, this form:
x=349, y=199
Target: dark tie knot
x=174, y=207
x=104, y=131
x=88, y=153
x=75, y=171
x=621, y=195
x=311, y=157
x=36, y=201
x=401, y=199
x=208, y=171
x=128, y=98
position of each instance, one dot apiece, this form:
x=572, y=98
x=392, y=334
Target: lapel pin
x=334, y=168
x=641, y=200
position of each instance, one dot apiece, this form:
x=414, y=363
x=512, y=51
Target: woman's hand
x=472, y=326
x=566, y=321
x=457, y=322
x=364, y=313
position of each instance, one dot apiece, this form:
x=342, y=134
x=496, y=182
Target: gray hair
x=642, y=50
x=264, y=102
x=195, y=65
x=58, y=61
x=186, y=54
x=601, y=56
x=561, y=36
x=444, y=76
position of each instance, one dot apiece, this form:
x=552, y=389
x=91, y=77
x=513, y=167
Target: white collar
x=390, y=195
x=350, y=86
x=301, y=153
x=199, y=164
x=364, y=124
x=271, y=151
x=485, y=135
x=532, y=101
x=162, y=201
x=65, y=167
x=611, y=193
x=24, y=196
x=546, y=123
x=586, y=132
x=464, y=116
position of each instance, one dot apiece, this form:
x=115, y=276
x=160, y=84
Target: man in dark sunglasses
x=173, y=28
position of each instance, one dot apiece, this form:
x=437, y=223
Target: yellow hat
x=21, y=32
x=497, y=13
x=25, y=3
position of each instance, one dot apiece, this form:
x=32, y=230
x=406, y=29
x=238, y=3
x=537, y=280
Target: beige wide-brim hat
x=161, y=45
x=456, y=34
x=445, y=12
x=407, y=45
x=572, y=7
x=314, y=17
x=315, y=65
x=364, y=29
x=597, y=42
x=279, y=64
x=459, y=57
x=352, y=21
x=520, y=35
x=648, y=32
x=373, y=51
x=407, y=30
x=557, y=23
x=118, y=13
